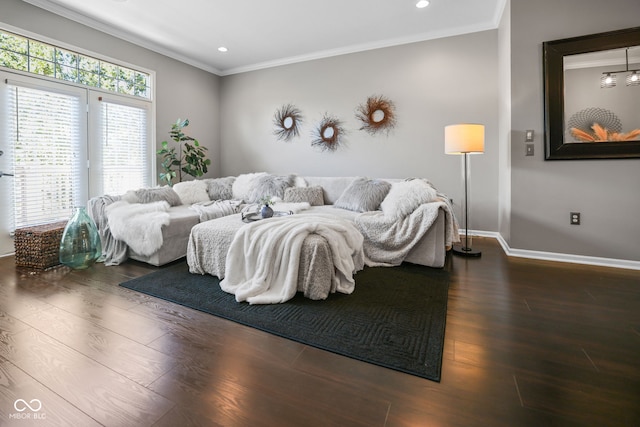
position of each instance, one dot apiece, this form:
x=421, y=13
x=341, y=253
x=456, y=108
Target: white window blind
x=46, y=137
x=124, y=147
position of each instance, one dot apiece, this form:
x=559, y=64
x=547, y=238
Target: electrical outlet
x=575, y=218
x=529, y=150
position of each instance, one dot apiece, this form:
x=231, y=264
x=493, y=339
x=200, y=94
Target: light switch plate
x=529, y=150
x=528, y=135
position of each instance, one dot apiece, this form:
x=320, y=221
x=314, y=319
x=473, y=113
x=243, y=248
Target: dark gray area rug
x=395, y=317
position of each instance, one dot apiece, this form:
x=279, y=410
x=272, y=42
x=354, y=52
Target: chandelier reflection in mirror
x=609, y=78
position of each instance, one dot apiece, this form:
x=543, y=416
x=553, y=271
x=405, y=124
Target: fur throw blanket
x=263, y=260
x=139, y=225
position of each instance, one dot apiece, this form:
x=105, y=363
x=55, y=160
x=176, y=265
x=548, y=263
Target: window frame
x=80, y=193
x=68, y=49
x=95, y=98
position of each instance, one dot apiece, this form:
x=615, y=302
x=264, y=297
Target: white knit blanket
x=215, y=208
x=264, y=257
x=139, y=225
x=388, y=241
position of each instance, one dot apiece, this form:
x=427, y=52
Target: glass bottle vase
x=80, y=246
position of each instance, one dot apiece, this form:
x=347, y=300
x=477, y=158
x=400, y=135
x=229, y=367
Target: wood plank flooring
x=528, y=343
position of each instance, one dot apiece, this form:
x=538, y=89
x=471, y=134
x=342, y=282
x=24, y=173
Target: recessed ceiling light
x=422, y=3
x=222, y=49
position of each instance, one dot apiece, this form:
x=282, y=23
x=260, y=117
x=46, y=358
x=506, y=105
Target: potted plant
x=190, y=157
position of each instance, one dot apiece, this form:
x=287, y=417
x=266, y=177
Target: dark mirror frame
x=553, y=53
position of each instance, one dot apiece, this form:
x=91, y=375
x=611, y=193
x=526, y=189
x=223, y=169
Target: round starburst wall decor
x=287, y=121
x=328, y=134
x=377, y=115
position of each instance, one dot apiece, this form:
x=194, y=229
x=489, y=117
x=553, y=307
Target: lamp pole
x=466, y=250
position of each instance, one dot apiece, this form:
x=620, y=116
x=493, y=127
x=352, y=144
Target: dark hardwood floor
x=528, y=343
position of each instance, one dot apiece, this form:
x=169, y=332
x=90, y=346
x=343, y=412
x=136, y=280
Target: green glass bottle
x=80, y=246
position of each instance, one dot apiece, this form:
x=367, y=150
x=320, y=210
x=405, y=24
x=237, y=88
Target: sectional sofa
x=401, y=219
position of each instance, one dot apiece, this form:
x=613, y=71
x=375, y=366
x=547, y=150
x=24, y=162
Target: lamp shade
x=464, y=138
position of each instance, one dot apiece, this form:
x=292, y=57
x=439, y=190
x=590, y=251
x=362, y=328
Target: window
x=46, y=132
x=33, y=56
x=120, y=156
x=65, y=144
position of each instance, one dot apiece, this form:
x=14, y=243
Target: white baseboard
x=555, y=256
x=546, y=256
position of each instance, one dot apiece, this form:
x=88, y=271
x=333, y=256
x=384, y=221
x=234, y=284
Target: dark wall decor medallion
x=377, y=114
x=328, y=134
x=287, y=122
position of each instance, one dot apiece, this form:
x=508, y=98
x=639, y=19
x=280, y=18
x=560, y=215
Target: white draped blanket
x=264, y=256
x=388, y=241
x=139, y=225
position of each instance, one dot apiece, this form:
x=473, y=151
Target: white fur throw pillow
x=363, y=195
x=191, y=192
x=153, y=194
x=272, y=186
x=404, y=197
x=243, y=184
x=220, y=188
x=299, y=181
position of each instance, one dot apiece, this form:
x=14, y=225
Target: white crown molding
x=361, y=48
x=555, y=256
x=123, y=35
x=499, y=12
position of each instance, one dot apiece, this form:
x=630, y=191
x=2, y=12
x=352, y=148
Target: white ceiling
x=267, y=33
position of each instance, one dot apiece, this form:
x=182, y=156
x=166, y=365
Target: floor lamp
x=464, y=139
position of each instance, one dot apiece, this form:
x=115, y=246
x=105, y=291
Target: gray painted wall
x=606, y=192
x=433, y=84
x=181, y=90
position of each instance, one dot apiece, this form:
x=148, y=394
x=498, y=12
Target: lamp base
x=465, y=251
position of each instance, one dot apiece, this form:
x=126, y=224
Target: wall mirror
x=592, y=96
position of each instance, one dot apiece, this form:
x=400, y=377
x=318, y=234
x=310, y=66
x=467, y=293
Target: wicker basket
x=38, y=247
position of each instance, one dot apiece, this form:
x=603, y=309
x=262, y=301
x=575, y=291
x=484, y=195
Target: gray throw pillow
x=269, y=185
x=155, y=194
x=312, y=195
x=220, y=188
x=363, y=195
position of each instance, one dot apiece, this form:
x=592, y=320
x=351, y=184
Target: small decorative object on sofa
x=80, y=246
x=190, y=157
x=266, y=211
